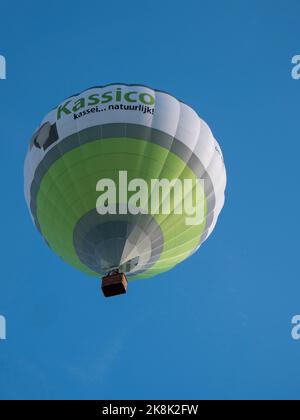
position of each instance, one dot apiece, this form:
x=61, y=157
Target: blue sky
x=219, y=325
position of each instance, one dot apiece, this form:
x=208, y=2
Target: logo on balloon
x=2, y=328
x=155, y=197
x=109, y=100
x=2, y=67
x=296, y=68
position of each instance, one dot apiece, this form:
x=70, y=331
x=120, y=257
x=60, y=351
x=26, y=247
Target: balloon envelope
x=94, y=166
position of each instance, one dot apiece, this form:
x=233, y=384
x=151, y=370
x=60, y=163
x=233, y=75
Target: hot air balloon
x=94, y=166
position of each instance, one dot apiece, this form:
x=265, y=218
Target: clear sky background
x=219, y=325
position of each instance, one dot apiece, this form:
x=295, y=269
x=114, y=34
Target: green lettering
x=147, y=99
x=128, y=95
x=107, y=96
x=63, y=108
x=94, y=99
x=80, y=103
x=118, y=95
